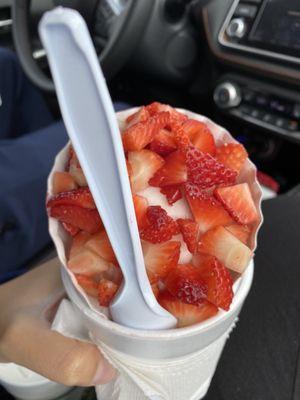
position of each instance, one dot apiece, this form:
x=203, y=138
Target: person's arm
x=28, y=304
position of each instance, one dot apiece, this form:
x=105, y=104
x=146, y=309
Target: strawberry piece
x=219, y=283
x=82, y=218
x=86, y=262
x=141, y=115
x=185, y=283
x=106, y=292
x=232, y=155
x=155, y=290
x=242, y=232
x=190, y=231
x=173, y=172
x=140, y=207
x=81, y=197
x=219, y=242
x=72, y=230
x=63, y=182
x=114, y=274
x=200, y=136
x=155, y=108
x=238, y=202
x=186, y=314
x=88, y=284
x=78, y=242
x=144, y=165
x=99, y=243
x=205, y=171
x=75, y=169
x=207, y=211
x=160, y=259
x=172, y=193
x=138, y=136
x=160, y=226
x=181, y=138
x=163, y=143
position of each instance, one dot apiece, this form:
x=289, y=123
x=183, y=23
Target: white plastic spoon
x=90, y=120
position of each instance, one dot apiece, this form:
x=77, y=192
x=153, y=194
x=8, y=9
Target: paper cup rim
x=244, y=285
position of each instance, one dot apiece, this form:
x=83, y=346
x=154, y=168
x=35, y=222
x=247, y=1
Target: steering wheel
x=116, y=24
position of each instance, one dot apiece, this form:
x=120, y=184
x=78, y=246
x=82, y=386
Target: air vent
x=5, y=20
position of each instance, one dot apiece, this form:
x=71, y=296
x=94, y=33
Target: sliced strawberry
x=219, y=242
x=86, y=262
x=141, y=115
x=242, y=232
x=190, y=231
x=181, y=138
x=99, y=243
x=72, y=230
x=63, y=182
x=82, y=218
x=160, y=259
x=186, y=314
x=233, y=155
x=155, y=290
x=160, y=226
x=207, y=211
x=113, y=274
x=205, y=171
x=144, y=165
x=238, y=202
x=163, y=143
x=185, y=283
x=172, y=193
x=173, y=172
x=138, y=136
x=76, y=170
x=140, y=207
x=155, y=108
x=106, y=292
x=88, y=284
x=81, y=197
x=219, y=283
x=200, y=136
x=78, y=242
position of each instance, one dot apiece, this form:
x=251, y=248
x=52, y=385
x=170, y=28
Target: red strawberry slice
x=219, y=283
x=173, y=172
x=219, y=242
x=233, y=155
x=86, y=262
x=238, y=202
x=140, y=207
x=242, y=232
x=78, y=242
x=185, y=283
x=106, y=292
x=144, y=165
x=155, y=108
x=113, y=274
x=75, y=169
x=186, y=314
x=172, y=193
x=72, y=230
x=160, y=227
x=141, y=115
x=163, y=143
x=190, y=232
x=205, y=171
x=88, y=284
x=207, y=211
x=181, y=138
x=138, y=136
x=160, y=259
x=200, y=136
x=81, y=197
x=82, y=218
x=63, y=182
x=99, y=243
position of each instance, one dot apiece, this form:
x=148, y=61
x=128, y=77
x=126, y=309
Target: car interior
x=233, y=61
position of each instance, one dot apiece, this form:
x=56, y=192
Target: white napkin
x=184, y=378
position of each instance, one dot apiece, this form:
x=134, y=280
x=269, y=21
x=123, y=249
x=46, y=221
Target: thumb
x=31, y=343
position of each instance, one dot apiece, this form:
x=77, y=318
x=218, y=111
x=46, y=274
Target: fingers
x=72, y=362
